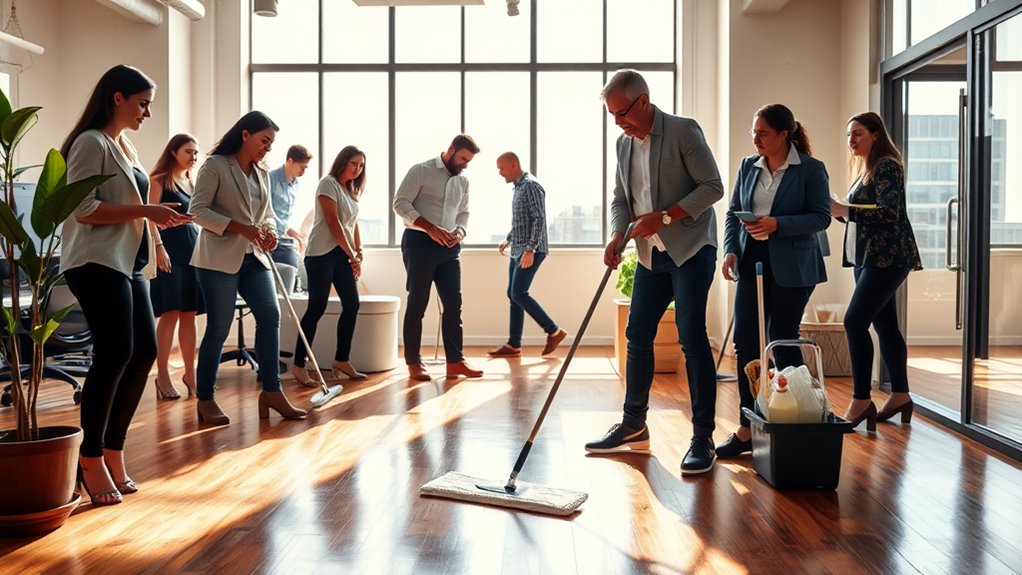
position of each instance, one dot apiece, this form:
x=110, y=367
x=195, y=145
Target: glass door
x=928, y=129
x=994, y=393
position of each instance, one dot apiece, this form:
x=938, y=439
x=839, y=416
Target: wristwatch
x=666, y=218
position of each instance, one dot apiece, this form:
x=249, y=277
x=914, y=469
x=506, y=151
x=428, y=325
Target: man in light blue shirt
x=283, y=188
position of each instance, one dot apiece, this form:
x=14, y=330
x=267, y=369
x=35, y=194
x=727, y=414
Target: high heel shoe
x=302, y=376
x=869, y=414
x=904, y=409
x=278, y=401
x=189, y=385
x=165, y=393
x=106, y=497
x=209, y=412
x=344, y=370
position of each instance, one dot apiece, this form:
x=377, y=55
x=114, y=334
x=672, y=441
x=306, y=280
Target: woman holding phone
x=781, y=200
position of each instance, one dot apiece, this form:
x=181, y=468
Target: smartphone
x=747, y=217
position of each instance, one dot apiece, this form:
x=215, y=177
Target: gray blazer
x=682, y=172
x=802, y=209
x=221, y=195
x=110, y=245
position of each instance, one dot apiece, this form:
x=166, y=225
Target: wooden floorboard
x=337, y=493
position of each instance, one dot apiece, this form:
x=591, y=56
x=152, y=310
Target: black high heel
x=870, y=415
x=904, y=409
x=107, y=497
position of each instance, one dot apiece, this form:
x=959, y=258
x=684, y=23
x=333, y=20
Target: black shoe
x=699, y=458
x=733, y=447
x=620, y=438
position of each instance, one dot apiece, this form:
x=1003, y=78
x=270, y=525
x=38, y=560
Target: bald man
x=528, y=241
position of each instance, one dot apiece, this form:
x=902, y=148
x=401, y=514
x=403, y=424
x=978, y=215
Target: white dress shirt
x=642, y=193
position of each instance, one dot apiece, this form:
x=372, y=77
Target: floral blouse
x=883, y=235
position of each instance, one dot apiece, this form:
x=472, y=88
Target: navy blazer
x=802, y=209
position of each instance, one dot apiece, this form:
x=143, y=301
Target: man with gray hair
x=666, y=184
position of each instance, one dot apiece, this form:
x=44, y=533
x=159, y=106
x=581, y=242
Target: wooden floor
x=337, y=493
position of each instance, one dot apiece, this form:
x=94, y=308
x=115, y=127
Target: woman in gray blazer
x=782, y=196
x=231, y=204
x=107, y=257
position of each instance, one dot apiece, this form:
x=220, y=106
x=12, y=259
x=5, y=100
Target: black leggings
x=120, y=316
x=873, y=303
x=322, y=271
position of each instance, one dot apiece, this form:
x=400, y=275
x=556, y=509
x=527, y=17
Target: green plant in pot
x=38, y=464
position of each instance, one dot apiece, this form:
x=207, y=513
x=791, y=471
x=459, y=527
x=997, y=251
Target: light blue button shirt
x=282, y=196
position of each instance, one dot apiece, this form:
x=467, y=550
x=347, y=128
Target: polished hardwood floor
x=337, y=492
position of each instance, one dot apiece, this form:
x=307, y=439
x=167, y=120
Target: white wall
x=816, y=52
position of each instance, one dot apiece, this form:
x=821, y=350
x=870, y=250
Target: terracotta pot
x=39, y=480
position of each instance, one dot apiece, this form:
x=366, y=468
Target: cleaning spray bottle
x=783, y=407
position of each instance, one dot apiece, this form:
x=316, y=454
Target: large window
x=400, y=83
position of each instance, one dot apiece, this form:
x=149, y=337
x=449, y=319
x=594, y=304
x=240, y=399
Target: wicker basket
x=827, y=329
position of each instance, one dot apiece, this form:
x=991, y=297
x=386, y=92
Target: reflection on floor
x=935, y=372
x=337, y=493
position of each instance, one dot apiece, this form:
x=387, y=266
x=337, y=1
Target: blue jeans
x=653, y=290
x=220, y=290
x=873, y=303
x=518, y=282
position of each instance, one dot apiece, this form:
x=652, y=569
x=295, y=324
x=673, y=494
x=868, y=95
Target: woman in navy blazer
x=231, y=204
x=107, y=256
x=881, y=247
x=788, y=192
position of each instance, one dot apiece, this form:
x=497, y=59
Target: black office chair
x=67, y=350
x=242, y=354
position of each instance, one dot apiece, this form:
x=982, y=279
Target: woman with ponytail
x=787, y=192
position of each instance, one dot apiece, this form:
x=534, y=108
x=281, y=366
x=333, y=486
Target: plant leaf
x=15, y=126
x=17, y=173
x=5, y=106
x=51, y=178
x=10, y=227
x=41, y=333
x=30, y=262
x=12, y=326
x=64, y=200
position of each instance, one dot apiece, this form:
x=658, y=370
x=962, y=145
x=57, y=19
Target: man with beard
x=433, y=202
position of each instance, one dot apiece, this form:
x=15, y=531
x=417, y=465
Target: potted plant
x=666, y=350
x=38, y=464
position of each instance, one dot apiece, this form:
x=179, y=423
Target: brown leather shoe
x=506, y=351
x=277, y=401
x=553, y=340
x=461, y=368
x=209, y=412
x=417, y=372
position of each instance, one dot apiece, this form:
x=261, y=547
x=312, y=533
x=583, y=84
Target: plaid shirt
x=528, y=217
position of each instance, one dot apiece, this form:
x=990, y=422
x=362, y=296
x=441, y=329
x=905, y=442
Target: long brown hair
x=163, y=171
x=357, y=186
x=781, y=119
x=882, y=147
x=100, y=108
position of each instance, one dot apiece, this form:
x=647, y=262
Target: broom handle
x=762, y=329
x=298, y=324
x=524, y=454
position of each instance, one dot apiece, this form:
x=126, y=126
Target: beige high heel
x=278, y=401
x=164, y=393
x=345, y=369
x=189, y=385
x=302, y=376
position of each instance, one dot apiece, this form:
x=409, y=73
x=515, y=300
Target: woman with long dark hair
x=881, y=248
x=782, y=195
x=175, y=289
x=232, y=205
x=334, y=257
x=107, y=258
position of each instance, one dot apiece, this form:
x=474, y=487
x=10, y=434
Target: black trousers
x=873, y=303
x=120, y=316
x=331, y=268
x=428, y=263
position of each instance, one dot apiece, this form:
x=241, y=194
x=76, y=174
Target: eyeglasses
x=628, y=109
x=759, y=133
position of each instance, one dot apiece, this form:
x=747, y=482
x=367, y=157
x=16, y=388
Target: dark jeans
x=286, y=252
x=426, y=263
x=783, y=308
x=518, y=282
x=220, y=290
x=120, y=316
x=687, y=285
x=331, y=268
x=873, y=303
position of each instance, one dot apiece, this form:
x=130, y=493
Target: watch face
x=667, y=219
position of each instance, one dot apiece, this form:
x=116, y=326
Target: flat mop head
x=321, y=398
x=527, y=496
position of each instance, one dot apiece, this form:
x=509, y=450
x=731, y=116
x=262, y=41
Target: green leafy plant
x=28, y=313
x=626, y=273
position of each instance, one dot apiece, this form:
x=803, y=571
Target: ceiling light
x=265, y=8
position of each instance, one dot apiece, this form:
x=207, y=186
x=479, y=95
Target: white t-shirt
x=321, y=241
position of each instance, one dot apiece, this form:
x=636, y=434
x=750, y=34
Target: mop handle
x=298, y=324
x=762, y=329
x=524, y=454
